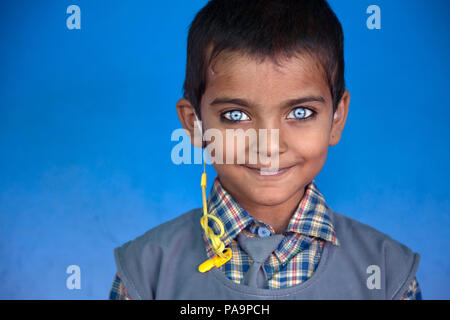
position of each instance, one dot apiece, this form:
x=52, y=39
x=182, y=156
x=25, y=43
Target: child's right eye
x=235, y=116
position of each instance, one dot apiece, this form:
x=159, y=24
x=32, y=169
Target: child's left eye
x=300, y=113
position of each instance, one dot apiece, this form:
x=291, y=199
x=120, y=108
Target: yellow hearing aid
x=223, y=255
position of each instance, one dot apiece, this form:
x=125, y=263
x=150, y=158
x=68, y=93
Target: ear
x=187, y=116
x=339, y=119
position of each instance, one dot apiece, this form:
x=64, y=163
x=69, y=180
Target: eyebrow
x=245, y=103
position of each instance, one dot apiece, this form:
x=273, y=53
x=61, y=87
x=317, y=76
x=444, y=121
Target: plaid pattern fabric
x=118, y=291
x=297, y=256
x=413, y=292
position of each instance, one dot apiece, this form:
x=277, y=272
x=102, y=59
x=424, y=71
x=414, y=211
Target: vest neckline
x=327, y=252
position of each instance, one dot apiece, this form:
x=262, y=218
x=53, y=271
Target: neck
x=277, y=216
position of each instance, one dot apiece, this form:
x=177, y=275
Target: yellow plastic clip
x=215, y=261
x=203, y=182
x=223, y=255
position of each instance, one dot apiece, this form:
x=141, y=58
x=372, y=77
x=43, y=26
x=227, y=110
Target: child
x=276, y=65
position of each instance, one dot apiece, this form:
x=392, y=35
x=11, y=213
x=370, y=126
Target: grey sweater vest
x=163, y=262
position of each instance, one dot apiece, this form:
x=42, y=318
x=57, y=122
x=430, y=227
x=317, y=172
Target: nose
x=270, y=142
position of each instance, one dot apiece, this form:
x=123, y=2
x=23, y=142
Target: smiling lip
x=268, y=173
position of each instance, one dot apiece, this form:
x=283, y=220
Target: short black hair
x=264, y=28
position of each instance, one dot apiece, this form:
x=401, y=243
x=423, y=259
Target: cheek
x=310, y=144
x=235, y=146
x=225, y=148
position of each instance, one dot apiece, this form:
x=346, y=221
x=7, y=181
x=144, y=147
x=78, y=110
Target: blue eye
x=300, y=113
x=235, y=116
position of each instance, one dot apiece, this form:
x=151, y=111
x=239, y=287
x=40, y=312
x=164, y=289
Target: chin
x=269, y=196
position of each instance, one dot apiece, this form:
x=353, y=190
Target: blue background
x=86, y=118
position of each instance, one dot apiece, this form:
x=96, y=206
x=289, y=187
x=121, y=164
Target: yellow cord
x=223, y=254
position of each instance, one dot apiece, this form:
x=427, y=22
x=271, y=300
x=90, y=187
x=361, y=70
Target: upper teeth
x=268, y=172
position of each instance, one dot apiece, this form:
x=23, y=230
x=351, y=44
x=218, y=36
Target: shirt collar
x=228, y=211
x=311, y=218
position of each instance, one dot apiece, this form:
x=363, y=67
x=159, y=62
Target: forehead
x=240, y=75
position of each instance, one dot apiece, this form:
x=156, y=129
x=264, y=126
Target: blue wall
x=86, y=118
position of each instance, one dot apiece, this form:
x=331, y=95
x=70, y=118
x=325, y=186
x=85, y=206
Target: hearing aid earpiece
x=197, y=121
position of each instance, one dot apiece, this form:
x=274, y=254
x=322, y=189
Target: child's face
x=265, y=90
